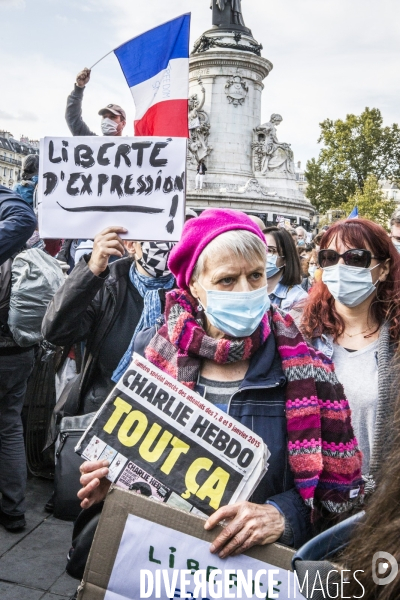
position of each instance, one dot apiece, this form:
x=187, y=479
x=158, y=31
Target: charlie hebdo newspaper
x=167, y=442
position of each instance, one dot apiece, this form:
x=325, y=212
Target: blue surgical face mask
x=397, y=246
x=301, y=242
x=272, y=269
x=349, y=285
x=237, y=314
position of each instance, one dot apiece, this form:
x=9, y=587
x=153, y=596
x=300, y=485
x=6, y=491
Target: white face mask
x=312, y=269
x=109, y=127
x=349, y=285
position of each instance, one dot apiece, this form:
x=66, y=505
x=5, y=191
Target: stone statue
x=199, y=127
x=227, y=13
x=269, y=153
x=195, y=107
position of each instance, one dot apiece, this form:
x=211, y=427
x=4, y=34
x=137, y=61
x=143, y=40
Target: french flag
x=354, y=213
x=156, y=68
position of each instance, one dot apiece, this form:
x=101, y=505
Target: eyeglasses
x=273, y=251
x=352, y=258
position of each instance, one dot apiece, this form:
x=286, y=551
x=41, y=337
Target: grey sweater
x=73, y=113
x=358, y=373
x=387, y=395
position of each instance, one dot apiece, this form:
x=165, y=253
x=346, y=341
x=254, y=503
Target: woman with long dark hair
x=353, y=317
x=283, y=269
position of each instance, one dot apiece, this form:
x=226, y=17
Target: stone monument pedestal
x=226, y=84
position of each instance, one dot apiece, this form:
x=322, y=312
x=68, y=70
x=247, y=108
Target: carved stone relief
x=253, y=185
x=236, y=90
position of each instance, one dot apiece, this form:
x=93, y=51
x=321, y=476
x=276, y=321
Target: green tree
x=352, y=150
x=371, y=202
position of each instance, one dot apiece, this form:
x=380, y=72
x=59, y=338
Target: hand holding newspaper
x=167, y=442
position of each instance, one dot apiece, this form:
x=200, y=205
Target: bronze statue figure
x=228, y=13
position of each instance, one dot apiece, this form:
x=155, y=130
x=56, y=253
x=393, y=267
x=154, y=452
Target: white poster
x=89, y=183
x=175, y=437
x=154, y=561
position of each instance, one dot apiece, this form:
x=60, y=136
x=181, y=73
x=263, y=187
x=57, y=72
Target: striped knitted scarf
x=323, y=451
x=179, y=346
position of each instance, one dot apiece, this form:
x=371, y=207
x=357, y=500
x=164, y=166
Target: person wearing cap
x=113, y=116
x=222, y=338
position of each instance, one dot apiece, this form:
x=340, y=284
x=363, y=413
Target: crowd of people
x=296, y=336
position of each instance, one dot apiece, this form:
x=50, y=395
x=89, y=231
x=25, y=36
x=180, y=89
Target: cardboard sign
x=136, y=537
x=168, y=442
x=89, y=183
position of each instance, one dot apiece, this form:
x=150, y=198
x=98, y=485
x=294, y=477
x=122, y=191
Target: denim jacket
x=324, y=344
x=26, y=189
x=285, y=297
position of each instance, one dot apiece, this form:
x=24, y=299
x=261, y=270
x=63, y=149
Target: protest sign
x=89, y=183
x=157, y=433
x=144, y=549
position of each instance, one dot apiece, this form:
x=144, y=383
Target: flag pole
x=100, y=59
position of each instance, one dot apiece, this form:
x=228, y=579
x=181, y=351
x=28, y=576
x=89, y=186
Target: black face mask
x=155, y=258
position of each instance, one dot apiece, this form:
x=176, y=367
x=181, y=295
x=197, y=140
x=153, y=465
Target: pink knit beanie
x=198, y=233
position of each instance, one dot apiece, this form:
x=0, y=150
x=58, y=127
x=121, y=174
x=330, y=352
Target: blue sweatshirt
x=17, y=223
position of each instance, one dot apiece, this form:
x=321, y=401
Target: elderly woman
x=222, y=339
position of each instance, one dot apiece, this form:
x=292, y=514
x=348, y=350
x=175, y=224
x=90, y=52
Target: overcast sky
x=330, y=57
